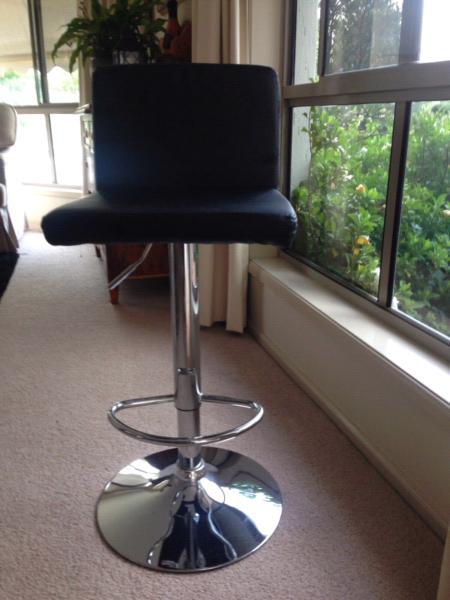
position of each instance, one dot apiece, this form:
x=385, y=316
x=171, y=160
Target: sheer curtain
x=221, y=34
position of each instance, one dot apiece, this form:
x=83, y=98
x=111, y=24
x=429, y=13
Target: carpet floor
x=67, y=354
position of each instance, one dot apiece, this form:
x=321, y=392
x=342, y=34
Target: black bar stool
x=185, y=154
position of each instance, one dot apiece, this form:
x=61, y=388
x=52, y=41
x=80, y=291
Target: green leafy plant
x=354, y=26
x=341, y=202
x=102, y=30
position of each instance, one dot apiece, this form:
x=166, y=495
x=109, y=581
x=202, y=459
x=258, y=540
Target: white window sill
x=423, y=366
x=58, y=191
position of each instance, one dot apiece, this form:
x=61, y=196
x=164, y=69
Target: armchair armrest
x=8, y=126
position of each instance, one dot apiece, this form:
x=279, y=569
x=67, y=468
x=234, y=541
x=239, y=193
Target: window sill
x=424, y=367
x=59, y=191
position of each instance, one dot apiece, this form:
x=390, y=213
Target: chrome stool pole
x=186, y=346
x=195, y=508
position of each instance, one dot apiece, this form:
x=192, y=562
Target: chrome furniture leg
x=120, y=278
x=195, y=508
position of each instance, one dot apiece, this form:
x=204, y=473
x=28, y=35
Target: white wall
x=267, y=19
x=266, y=33
x=38, y=201
x=401, y=425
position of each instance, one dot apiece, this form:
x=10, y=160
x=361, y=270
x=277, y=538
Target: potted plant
x=108, y=34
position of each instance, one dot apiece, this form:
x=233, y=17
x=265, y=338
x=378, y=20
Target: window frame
x=402, y=84
x=44, y=106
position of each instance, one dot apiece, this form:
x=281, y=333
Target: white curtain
x=221, y=34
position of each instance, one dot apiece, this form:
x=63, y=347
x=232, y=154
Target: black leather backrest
x=201, y=126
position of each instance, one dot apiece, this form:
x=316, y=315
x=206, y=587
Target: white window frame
x=409, y=81
x=44, y=106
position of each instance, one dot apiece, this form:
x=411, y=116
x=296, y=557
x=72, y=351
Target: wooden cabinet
x=117, y=257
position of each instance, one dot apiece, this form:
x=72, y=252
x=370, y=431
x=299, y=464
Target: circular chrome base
x=164, y=518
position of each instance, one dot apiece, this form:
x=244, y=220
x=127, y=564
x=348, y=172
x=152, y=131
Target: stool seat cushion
x=142, y=216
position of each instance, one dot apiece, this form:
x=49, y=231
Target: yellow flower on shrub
x=363, y=240
x=361, y=188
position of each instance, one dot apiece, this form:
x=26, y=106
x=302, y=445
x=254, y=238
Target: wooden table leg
x=114, y=295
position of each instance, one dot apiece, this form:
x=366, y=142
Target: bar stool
x=185, y=154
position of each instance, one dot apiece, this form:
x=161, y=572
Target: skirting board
x=384, y=466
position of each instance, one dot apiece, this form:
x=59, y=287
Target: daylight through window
x=370, y=150
x=43, y=91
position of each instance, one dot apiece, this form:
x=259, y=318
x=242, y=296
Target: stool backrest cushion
x=186, y=127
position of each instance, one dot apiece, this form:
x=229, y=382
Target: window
x=17, y=76
x=44, y=93
x=362, y=34
x=369, y=168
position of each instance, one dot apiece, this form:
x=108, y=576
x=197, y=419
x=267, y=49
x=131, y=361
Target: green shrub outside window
x=341, y=204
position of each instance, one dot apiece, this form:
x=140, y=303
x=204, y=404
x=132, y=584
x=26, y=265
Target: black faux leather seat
x=172, y=165
x=184, y=154
x=263, y=216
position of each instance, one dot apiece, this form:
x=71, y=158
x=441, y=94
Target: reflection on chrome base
x=162, y=517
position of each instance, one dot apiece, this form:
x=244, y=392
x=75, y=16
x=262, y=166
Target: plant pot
x=103, y=59
x=128, y=57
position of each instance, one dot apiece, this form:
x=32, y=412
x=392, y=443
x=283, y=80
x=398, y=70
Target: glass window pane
x=67, y=147
x=307, y=41
x=17, y=77
x=435, y=40
x=362, y=34
x=339, y=173
x=32, y=148
x=422, y=281
x=62, y=85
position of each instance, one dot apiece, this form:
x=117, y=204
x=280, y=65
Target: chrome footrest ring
x=199, y=440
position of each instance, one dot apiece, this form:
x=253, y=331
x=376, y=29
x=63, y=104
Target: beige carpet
x=66, y=354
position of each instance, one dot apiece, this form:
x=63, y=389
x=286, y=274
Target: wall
x=38, y=201
x=267, y=19
x=400, y=424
